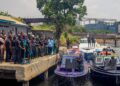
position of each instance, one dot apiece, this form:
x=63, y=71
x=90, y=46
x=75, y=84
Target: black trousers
x=8, y=55
x=49, y=50
x=16, y=56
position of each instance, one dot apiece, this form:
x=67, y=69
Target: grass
x=43, y=27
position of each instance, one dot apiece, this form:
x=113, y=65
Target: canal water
x=57, y=81
x=65, y=82
x=60, y=81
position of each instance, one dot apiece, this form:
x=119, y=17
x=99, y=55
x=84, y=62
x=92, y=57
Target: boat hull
x=70, y=74
x=105, y=77
x=76, y=78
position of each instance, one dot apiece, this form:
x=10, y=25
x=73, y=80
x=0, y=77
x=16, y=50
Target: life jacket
x=105, y=53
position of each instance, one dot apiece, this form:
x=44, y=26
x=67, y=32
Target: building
x=102, y=26
x=99, y=24
x=9, y=24
x=118, y=27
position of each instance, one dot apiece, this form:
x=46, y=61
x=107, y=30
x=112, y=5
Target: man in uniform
x=8, y=45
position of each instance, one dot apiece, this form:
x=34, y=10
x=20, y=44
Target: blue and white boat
x=72, y=65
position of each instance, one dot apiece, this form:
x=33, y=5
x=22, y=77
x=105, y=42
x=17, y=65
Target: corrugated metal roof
x=7, y=19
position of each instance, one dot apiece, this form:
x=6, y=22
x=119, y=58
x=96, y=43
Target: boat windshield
x=89, y=56
x=105, y=61
x=72, y=62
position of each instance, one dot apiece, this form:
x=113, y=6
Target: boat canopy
x=102, y=60
x=71, y=61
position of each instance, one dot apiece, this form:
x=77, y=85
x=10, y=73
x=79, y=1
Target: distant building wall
x=118, y=28
x=102, y=26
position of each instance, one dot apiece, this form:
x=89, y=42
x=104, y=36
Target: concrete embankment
x=27, y=71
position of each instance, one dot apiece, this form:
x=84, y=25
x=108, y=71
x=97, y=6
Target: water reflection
x=60, y=81
x=57, y=81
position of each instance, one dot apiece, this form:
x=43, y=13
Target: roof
x=6, y=19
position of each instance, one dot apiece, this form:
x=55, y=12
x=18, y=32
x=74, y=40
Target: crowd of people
x=21, y=48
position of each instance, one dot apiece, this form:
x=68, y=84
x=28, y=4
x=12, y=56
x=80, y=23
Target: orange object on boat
x=105, y=53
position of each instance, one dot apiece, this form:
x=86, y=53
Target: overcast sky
x=95, y=8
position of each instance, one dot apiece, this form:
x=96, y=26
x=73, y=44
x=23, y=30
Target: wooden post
x=25, y=83
x=115, y=42
x=104, y=41
x=46, y=75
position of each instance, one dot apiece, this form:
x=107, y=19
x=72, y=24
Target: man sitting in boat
x=80, y=66
x=111, y=65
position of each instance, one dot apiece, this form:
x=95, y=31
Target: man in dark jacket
x=16, y=50
x=8, y=45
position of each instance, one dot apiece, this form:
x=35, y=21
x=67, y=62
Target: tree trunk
x=58, y=34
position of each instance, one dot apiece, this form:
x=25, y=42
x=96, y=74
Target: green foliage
x=62, y=12
x=9, y=15
x=65, y=36
x=5, y=14
x=73, y=39
x=100, y=31
x=74, y=28
x=77, y=29
x=62, y=40
x=43, y=27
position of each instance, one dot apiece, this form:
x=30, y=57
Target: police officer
x=16, y=51
x=8, y=45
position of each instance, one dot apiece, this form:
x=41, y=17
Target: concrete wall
x=28, y=71
x=38, y=67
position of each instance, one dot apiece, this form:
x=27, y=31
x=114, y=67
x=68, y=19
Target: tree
x=4, y=13
x=9, y=15
x=80, y=29
x=62, y=12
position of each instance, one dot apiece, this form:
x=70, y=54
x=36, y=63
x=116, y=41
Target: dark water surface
x=57, y=81
x=60, y=81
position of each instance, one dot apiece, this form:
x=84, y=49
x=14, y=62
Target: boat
x=91, y=46
x=88, y=54
x=72, y=65
x=106, y=67
x=85, y=45
x=89, y=51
